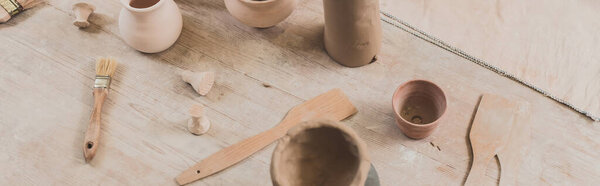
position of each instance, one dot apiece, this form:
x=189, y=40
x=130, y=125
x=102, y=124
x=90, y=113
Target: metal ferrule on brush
x=11, y=6
x=102, y=82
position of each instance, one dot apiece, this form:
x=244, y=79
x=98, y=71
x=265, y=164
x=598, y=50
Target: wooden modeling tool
x=489, y=133
x=332, y=105
x=105, y=68
x=516, y=148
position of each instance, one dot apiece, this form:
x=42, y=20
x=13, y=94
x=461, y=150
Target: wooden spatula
x=489, y=133
x=333, y=105
x=516, y=148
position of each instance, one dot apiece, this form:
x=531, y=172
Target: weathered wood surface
x=46, y=78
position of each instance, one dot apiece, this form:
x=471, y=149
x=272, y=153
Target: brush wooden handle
x=231, y=155
x=93, y=131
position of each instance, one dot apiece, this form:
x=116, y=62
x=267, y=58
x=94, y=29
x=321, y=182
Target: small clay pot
x=320, y=152
x=418, y=107
x=260, y=13
x=150, y=26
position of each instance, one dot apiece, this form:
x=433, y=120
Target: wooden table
x=47, y=71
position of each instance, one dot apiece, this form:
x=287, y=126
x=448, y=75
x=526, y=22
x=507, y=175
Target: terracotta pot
x=260, y=13
x=418, y=107
x=151, y=29
x=352, y=31
x=320, y=152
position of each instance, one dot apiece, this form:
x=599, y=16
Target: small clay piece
x=199, y=123
x=260, y=13
x=82, y=11
x=320, y=152
x=352, y=31
x=150, y=26
x=201, y=82
x=418, y=106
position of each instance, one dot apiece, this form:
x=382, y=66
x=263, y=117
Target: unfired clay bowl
x=320, y=152
x=260, y=13
x=418, y=107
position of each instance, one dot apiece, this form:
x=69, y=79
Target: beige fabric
x=553, y=44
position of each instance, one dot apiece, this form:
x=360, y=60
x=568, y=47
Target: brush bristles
x=106, y=67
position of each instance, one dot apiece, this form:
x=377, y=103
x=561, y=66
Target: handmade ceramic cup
x=418, y=107
x=150, y=26
x=352, y=33
x=260, y=13
x=320, y=152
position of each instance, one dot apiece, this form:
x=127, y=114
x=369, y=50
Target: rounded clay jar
x=320, y=152
x=418, y=108
x=260, y=13
x=150, y=29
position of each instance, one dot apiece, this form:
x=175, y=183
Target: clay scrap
x=202, y=82
x=82, y=12
x=199, y=123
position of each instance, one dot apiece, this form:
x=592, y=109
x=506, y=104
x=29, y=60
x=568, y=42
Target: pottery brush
x=9, y=8
x=105, y=68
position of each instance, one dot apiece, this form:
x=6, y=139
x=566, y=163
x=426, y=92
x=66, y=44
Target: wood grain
x=144, y=135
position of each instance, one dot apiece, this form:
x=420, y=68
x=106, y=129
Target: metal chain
x=435, y=41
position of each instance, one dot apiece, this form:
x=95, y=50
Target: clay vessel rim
x=257, y=2
x=397, y=112
x=147, y=9
x=363, y=156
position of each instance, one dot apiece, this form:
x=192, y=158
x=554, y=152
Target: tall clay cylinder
x=352, y=31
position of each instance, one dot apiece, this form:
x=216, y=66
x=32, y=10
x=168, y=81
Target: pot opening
x=257, y=1
x=320, y=156
x=420, y=102
x=143, y=3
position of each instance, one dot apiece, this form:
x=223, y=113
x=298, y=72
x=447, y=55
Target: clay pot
x=352, y=31
x=151, y=29
x=320, y=152
x=260, y=13
x=418, y=107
